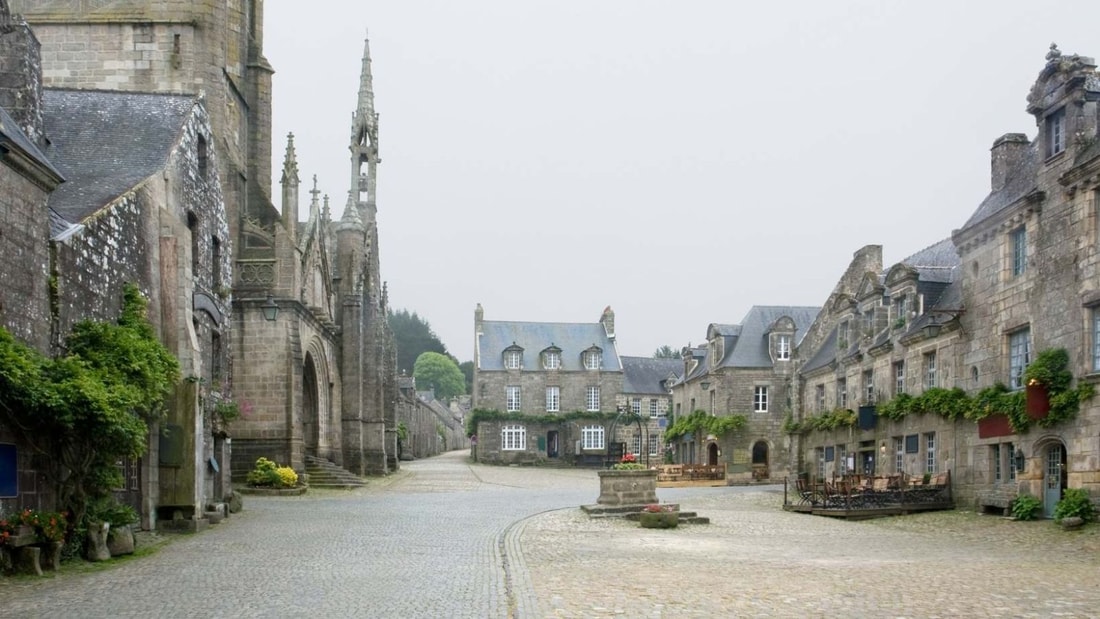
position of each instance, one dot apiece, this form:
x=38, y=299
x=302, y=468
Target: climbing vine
x=90, y=407
x=704, y=422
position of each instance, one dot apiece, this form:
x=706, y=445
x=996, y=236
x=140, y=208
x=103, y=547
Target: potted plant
x=657, y=516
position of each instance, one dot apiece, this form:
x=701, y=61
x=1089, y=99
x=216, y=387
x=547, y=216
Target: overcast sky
x=679, y=161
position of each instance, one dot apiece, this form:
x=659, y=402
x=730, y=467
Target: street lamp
x=1021, y=460
x=270, y=309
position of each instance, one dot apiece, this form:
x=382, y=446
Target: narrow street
x=443, y=538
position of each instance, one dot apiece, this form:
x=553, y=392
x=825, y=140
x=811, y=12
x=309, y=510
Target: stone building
x=141, y=205
x=567, y=377
x=317, y=379
x=882, y=334
x=1026, y=281
x=647, y=394
x=745, y=369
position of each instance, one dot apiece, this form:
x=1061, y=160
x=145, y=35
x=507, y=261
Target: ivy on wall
x=702, y=421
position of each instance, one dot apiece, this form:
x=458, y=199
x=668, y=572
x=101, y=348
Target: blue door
x=1054, y=478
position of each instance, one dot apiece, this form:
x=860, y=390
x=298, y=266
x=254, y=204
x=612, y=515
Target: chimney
x=21, y=74
x=607, y=319
x=1007, y=153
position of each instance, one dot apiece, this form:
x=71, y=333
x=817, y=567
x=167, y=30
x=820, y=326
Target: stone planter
x=120, y=541
x=97, y=542
x=659, y=520
x=51, y=555
x=628, y=487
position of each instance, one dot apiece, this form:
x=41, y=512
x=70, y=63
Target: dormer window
x=717, y=351
x=900, y=309
x=592, y=358
x=1056, y=133
x=842, y=336
x=513, y=358
x=551, y=359
x=783, y=347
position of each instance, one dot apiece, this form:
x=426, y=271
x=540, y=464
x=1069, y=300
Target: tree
x=666, y=352
x=88, y=409
x=413, y=336
x=437, y=371
x=467, y=368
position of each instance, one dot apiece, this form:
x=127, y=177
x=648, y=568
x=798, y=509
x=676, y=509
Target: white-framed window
x=592, y=399
x=841, y=459
x=819, y=397
x=783, y=347
x=592, y=437
x=995, y=458
x=655, y=408
x=899, y=377
x=899, y=454
x=592, y=359
x=512, y=398
x=842, y=393
x=1010, y=454
x=553, y=399
x=760, y=399
x=654, y=444
x=1095, y=338
x=636, y=444
x=1019, y=251
x=636, y=406
x=819, y=455
x=1019, y=355
x=551, y=360
x=1056, y=133
x=513, y=359
x=842, y=333
x=930, y=452
x=513, y=438
x=869, y=386
x=929, y=370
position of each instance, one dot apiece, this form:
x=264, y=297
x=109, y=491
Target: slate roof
x=750, y=350
x=825, y=354
x=644, y=374
x=534, y=337
x=1020, y=182
x=935, y=263
x=106, y=143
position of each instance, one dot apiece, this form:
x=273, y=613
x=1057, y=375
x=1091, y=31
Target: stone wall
x=573, y=386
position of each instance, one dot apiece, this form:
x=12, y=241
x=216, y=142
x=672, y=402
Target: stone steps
x=324, y=474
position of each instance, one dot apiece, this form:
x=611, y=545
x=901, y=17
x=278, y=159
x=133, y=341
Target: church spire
x=364, y=145
x=290, y=182
x=366, y=86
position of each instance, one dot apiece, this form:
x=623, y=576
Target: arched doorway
x=712, y=454
x=760, y=460
x=311, y=418
x=1054, y=477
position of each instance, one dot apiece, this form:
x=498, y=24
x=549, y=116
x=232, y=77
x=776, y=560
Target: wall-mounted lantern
x=270, y=309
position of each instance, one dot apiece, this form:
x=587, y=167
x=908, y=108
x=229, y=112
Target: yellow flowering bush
x=287, y=477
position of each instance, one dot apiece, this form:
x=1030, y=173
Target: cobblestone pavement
x=442, y=538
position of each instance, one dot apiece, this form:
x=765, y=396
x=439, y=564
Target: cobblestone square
x=444, y=538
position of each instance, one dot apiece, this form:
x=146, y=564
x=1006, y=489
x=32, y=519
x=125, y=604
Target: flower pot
x=120, y=541
x=659, y=520
x=1037, y=401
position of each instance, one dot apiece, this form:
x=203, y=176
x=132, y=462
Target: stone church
x=297, y=333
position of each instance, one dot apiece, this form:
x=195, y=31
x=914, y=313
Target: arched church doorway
x=712, y=454
x=311, y=418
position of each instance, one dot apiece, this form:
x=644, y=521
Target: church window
x=193, y=227
x=200, y=152
x=216, y=262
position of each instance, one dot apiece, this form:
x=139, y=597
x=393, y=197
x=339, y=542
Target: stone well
x=628, y=487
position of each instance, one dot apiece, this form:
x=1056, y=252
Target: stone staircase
x=633, y=512
x=324, y=474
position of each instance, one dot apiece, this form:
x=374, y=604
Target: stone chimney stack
x=1007, y=154
x=21, y=74
x=607, y=319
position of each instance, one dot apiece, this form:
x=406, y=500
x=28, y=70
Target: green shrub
x=265, y=473
x=1025, y=507
x=1075, y=502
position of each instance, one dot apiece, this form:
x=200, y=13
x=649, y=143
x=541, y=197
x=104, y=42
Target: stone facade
x=744, y=369
x=1024, y=279
x=529, y=369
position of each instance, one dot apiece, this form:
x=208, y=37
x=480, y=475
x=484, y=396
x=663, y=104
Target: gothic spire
x=365, y=111
x=290, y=163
